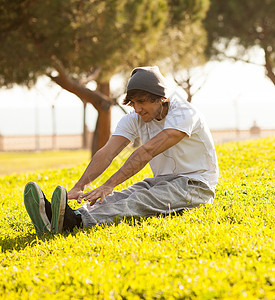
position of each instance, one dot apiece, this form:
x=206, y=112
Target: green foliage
x=248, y=23
x=112, y=35
x=184, y=10
x=222, y=251
x=234, y=18
x=81, y=34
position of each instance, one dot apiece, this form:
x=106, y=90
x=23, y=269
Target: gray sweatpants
x=152, y=196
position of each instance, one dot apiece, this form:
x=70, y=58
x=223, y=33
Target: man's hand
x=76, y=193
x=99, y=193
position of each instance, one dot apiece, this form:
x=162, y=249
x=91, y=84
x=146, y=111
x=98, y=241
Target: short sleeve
x=181, y=119
x=127, y=127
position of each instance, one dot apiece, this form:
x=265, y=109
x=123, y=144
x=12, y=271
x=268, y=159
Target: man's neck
x=164, y=111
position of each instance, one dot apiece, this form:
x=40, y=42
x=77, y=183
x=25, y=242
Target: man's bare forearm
x=99, y=163
x=101, y=160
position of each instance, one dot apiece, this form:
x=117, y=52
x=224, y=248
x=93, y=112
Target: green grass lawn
x=27, y=161
x=223, y=251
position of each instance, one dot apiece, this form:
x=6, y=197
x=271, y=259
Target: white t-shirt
x=194, y=156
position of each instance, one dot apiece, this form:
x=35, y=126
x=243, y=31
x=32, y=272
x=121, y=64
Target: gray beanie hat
x=148, y=79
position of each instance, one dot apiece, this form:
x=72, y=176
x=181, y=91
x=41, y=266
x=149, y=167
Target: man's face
x=146, y=109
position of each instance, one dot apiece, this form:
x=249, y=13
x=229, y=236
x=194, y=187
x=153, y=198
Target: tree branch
x=121, y=107
x=269, y=71
x=97, y=99
x=238, y=59
x=92, y=76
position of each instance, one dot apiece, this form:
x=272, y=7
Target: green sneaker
x=34, y=201
x=58, y=203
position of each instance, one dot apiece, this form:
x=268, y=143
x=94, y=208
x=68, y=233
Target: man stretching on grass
x=176, y=143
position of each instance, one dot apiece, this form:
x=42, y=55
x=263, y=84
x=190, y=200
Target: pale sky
x=234, y=96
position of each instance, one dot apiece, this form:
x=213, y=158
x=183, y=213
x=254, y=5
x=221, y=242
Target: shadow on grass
x=26, y=239
x=19, y=243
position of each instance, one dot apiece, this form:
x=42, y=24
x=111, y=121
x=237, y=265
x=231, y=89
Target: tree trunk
x=103, y=125
x=85, y=130
x=53, y=127
x=268, y=66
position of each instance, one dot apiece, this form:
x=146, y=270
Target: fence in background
x=224, y=136
x=43, y=142
x=73, y=142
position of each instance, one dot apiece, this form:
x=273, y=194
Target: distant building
x=255, y=129
x=1, y=142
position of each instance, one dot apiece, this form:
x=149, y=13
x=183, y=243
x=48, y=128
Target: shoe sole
x=35, y=206
x=58, y=204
